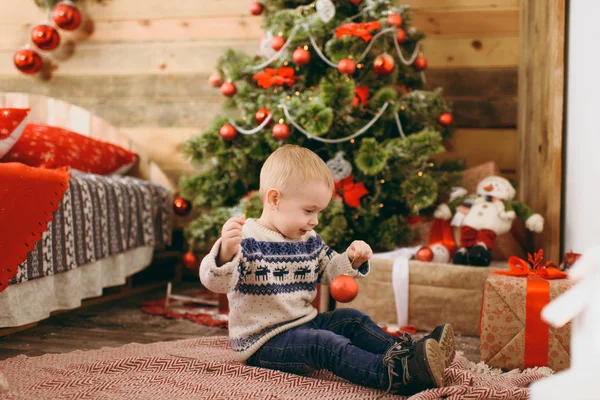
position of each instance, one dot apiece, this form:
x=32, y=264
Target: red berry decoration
x=181, y=206
x=301, y=56
x=45, y=37
x=401, y=35
x=394, y=20
x=66, y=16
x=228, y=132
x=28, y=61
x=346, y=66
x=343, y=288
x=425, y=254
x=190, y=260
x=277, y=42
x=261, y=115
x=228, y=89
x=446, y=119
x=257, y=8
x=215, y=79
x=420, y=63
x=281, y=131
x=384, y=65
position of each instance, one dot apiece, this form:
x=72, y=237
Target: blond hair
x=291, y=165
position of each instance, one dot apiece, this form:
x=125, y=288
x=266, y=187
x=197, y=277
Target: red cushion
x=12, y=122
x=52, y=147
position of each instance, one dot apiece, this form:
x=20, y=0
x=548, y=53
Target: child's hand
x=359, y=252
x=231, y=238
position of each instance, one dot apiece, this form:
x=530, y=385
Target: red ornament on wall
x=45, y=37
x=346, y=66
x=66, y=16
x=384, y=65
x=446, y=119
x=261, y=115
x=420, y=63
x=281, y=131
x=401, y=35
x=228, y=132
x=181, y=206
x=277, y=42
x=215, y=79
x=301, y=56
x=394, y=20
x=190, y=260
x=257, y=8
x=28, y=61
x=228, y=89
x=343, y=288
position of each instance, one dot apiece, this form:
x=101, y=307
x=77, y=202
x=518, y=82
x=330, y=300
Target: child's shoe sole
x=448, y=344
x=434, y=357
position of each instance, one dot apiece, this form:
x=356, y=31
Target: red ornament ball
x=66, y=16
x=301, y=56
x=401, y=35
x=420, y=63
x=343, y=288
x=394, y=20
x=45, y=37
x=228, y=89
x=28, y=61
x=425, y=254
x=357, y=2
x=446, y=119
x=181, y=206
x=261, y=115
x=384, y=65
x=257, y=8
x=190, y=260
x=277, y=42
x=215, y=79
x=227, y=132
x=281, y=131
x=346, y=66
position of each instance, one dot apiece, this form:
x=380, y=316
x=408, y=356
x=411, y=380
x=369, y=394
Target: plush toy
x=483, y=216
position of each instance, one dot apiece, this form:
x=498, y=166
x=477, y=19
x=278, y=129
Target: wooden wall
x=145, y=68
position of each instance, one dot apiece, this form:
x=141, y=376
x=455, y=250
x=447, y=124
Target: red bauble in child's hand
x=343, y=288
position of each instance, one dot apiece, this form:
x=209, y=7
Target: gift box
x=513, y=335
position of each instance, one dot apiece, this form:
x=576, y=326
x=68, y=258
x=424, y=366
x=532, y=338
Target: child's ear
x=273, y=196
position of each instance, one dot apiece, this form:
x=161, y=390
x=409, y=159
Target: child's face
x=299, y=209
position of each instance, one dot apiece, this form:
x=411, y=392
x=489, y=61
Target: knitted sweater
x=271, y=283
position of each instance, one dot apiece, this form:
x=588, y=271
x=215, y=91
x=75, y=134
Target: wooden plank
x=474, y=82
x=467, y=22
x=485, y=113
x=540, y=116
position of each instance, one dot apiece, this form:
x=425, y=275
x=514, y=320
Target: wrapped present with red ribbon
x=512, y=332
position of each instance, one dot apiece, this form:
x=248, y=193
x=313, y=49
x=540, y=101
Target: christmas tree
x=345, y=79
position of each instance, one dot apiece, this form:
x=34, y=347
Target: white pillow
x=12, y=123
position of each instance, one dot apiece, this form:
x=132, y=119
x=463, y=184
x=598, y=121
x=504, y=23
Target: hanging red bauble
x=346, y=66
x=257, y=8
x=228, y=132
x=190, y=260
x=28, y=61
x=215, y=79
x=277, y=42
x=420, y=63
x=343, y=288
x=357, y=2
x=66, y=16
x=384, y=65
x=301, y=56
x=425, y=254
x=45, y=37
x=401, y=35
x=228, y=89
x=394, y=20
x=261, y=115
x=181, y=206
x=446, y=119
x=281, y=131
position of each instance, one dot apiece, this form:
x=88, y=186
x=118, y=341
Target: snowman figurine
x=484, y=216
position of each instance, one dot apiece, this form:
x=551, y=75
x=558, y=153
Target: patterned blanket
x=99, y=216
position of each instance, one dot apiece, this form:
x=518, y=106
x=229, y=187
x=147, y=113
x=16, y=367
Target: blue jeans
x=346, y=342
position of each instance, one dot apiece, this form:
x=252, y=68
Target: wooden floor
x=121, y=322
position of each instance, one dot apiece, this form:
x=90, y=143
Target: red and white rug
x=204, y=369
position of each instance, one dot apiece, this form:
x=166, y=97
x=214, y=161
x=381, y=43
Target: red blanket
x=28, y=197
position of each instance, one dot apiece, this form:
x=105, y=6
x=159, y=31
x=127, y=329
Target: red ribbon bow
x=362, y=30
x=275, y=77
x=361, y=96
x=351, y=191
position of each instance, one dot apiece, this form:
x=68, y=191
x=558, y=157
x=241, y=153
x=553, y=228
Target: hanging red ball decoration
x=446, y=119
x=277, y=43
x=45, y=37
x=261, y=115
x=301, y=56
x=420, y=63
x=343, y=288
x=346, y=66
x=257, y=8
x=281, y=131
x=28, y=61
x=401, y=35
x=356, y=2
x=181, y=206
x=228, y=132
x=215, y=79
x=228, y=89
x=66, y=16
x=190, y=260
x=394, y=20
x=425, y=254
x=384, y=65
